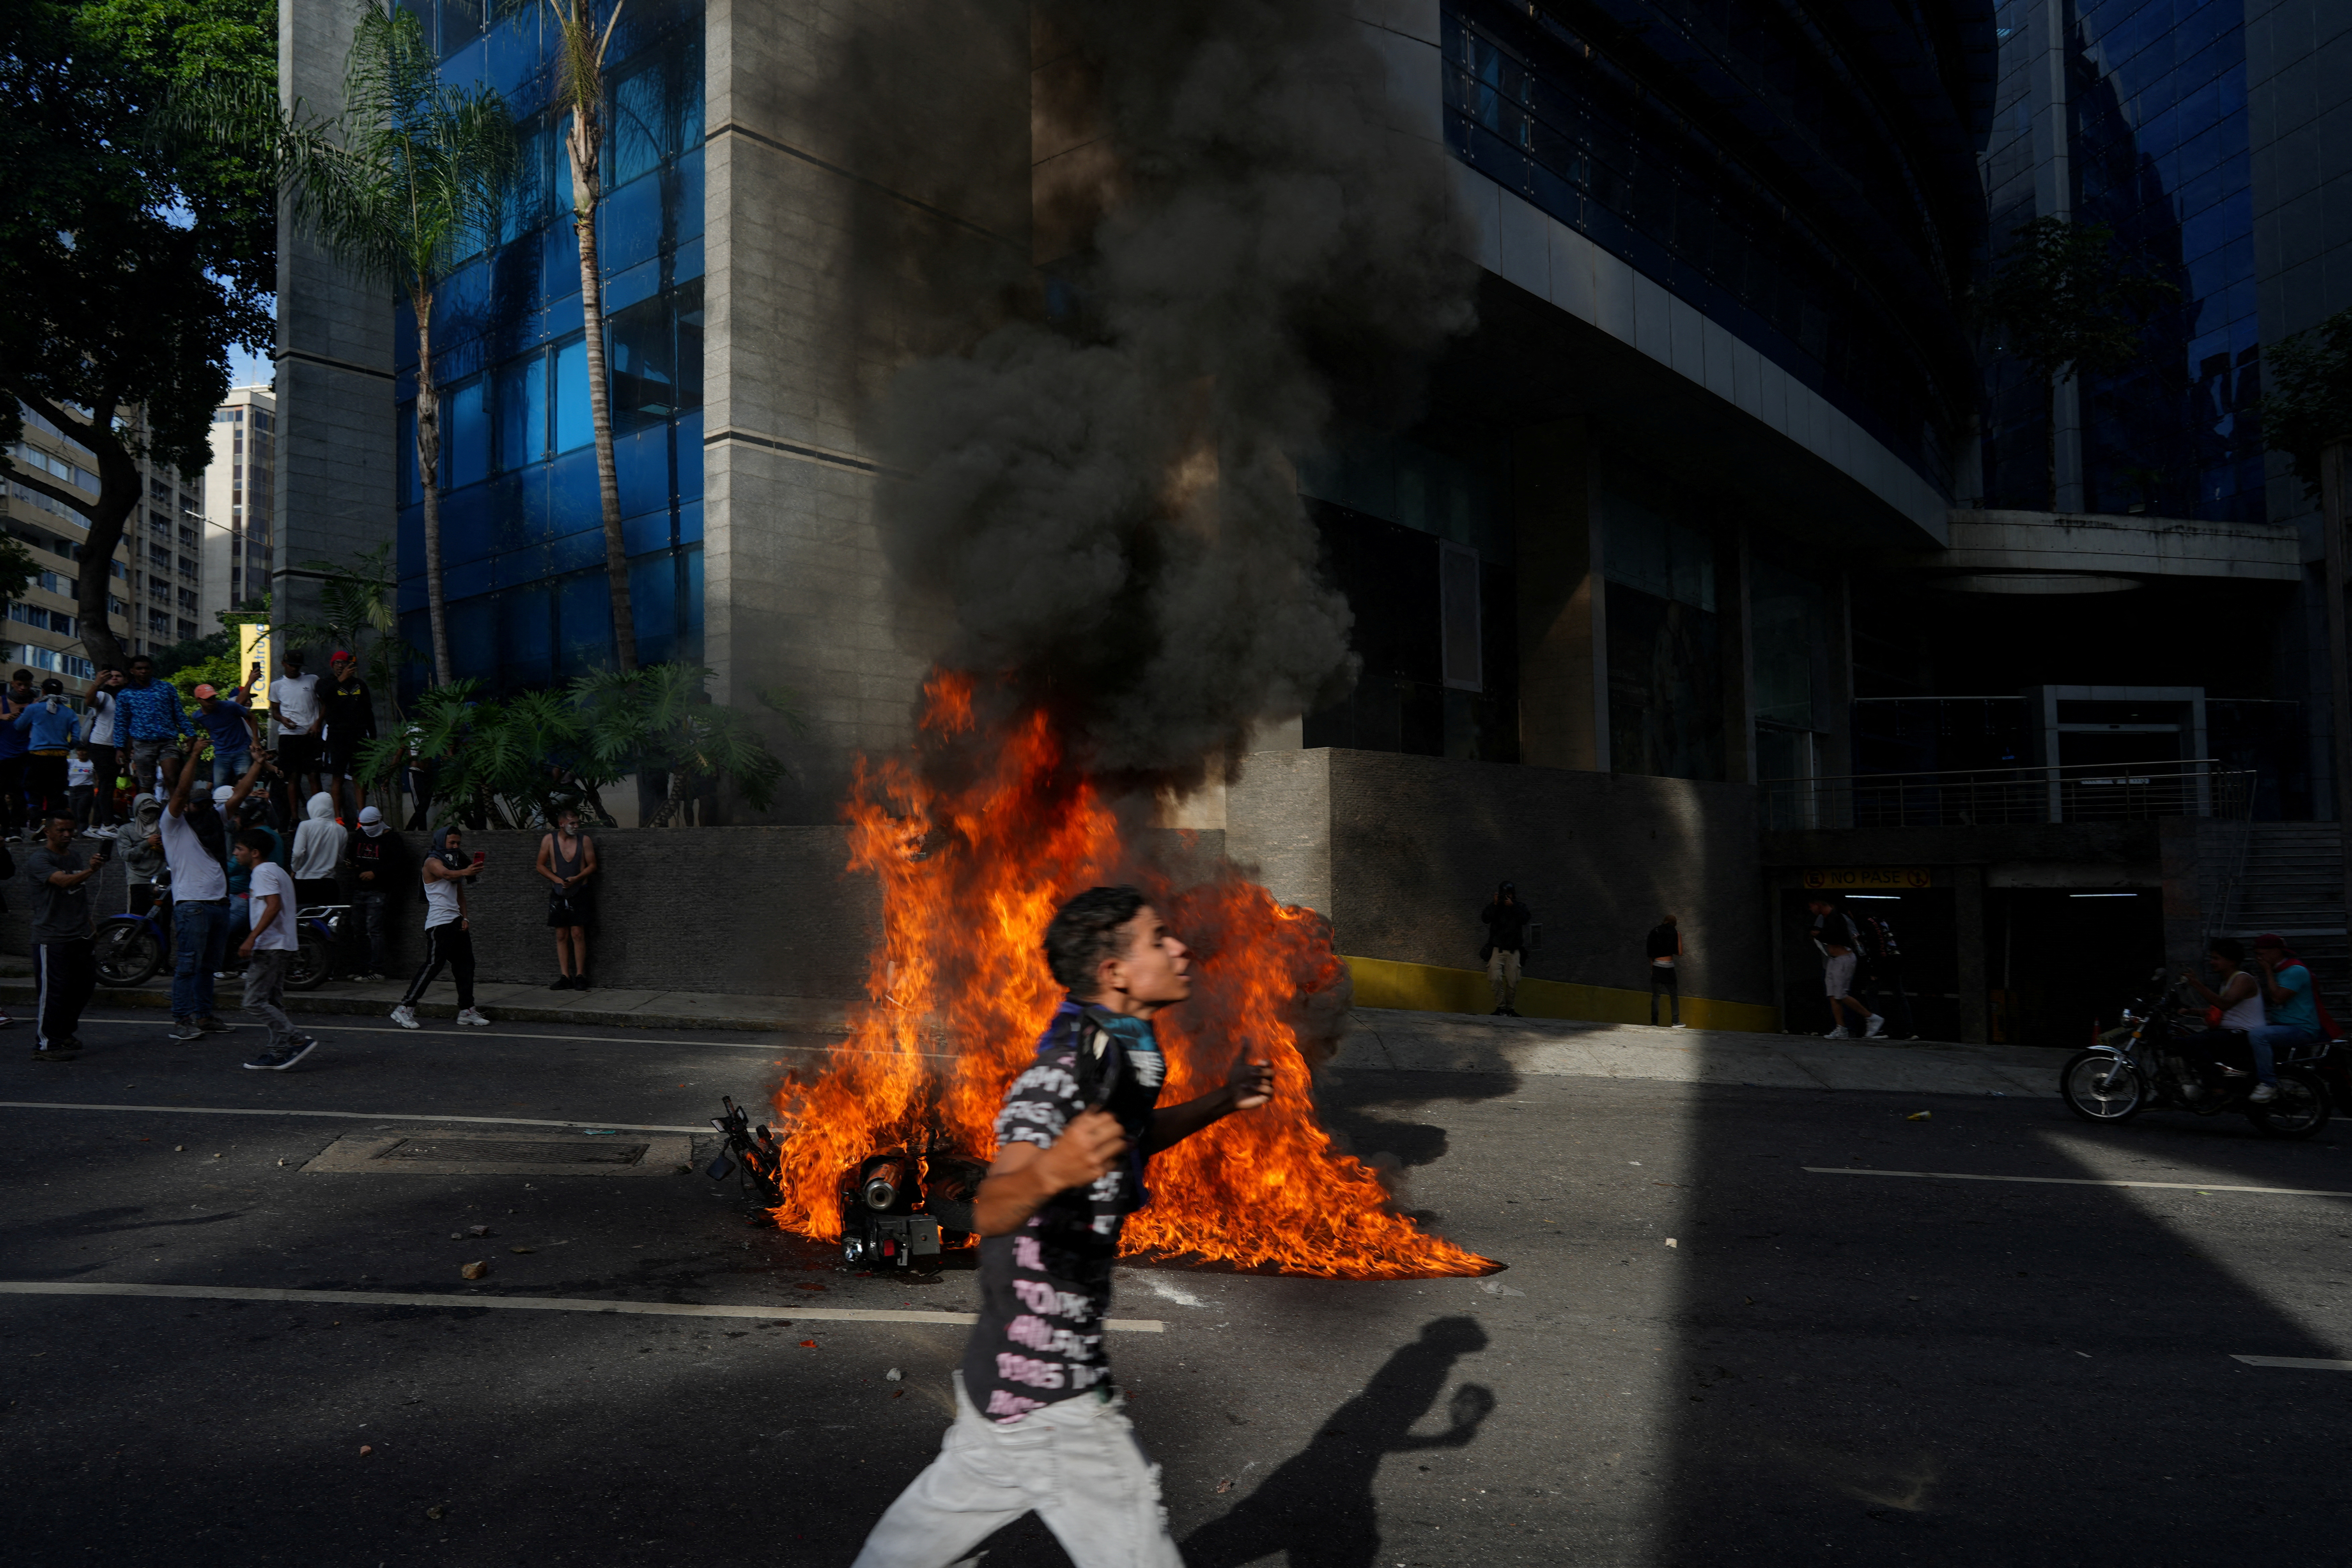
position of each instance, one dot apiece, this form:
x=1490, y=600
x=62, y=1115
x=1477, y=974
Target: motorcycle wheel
x=127, y=953
x=312, y=962
x=2097, y=1087
x=2300, y=1109
x=759, y=1186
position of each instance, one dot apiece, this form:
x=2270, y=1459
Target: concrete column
x=1739, y=656
x=1563, y=633
x=1278, y=820
x=866, y=202
x=336, y=430
x=1975, y=974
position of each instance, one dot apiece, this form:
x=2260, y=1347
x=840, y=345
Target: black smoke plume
x=1106, y=494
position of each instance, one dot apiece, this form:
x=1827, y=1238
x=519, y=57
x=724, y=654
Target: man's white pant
x=1075, y=1463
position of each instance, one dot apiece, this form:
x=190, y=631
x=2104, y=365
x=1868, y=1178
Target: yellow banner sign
x=254, y=661
x=1850, y=877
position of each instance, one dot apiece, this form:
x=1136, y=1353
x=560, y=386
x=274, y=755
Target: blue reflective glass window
x=410, y=491
x=524, y=636
x=586, y=621
x=522, y=411
x=465, y=439
x=653, y=606
x=573, y=426
x=473, y=638
x=628, y=225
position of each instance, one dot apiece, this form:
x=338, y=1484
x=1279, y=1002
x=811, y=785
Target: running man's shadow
x=1317, y=1507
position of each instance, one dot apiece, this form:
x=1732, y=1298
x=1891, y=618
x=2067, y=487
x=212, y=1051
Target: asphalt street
x=1700, y=1349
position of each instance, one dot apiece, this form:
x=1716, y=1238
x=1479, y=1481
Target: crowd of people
x=203, y=814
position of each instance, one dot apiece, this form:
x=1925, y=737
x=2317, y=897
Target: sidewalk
x=1383, y=1038
x=1380, y=1038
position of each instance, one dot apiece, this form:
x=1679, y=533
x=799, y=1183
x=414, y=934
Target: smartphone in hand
x=481, y=856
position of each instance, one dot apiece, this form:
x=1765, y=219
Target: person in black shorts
x=1038, y=1422
x=294, y=712
x=567, y=860
x=347, y=709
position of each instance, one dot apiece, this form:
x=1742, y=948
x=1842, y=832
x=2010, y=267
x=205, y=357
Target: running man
x=449, y=935
x=1038, y=1421
x=1833, y=934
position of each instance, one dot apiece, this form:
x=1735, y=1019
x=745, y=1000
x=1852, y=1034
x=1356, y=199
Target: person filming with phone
x=449, y=935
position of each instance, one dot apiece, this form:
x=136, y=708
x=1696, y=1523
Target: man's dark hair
x=64, y=816
x=255, y=839
x=1086, y=930
x=23, y=675
x=2229, y=947
x=139, y=658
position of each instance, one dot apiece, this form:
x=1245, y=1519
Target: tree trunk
x=428, y=475
x=584, y=142
x=118, y=495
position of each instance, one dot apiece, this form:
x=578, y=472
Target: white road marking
x=2304, y=1363
x=340, y=1115
x=524, y=1304
x=2078, y=1181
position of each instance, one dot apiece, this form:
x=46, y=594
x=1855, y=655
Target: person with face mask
x=318, y=851
x=379, y=867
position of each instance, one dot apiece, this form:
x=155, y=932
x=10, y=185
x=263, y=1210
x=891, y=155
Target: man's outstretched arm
x=1025, y=1177
x=1250, y=1085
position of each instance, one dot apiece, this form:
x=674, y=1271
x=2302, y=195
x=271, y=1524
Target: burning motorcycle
x=896, y=1206
x=2152, y=1057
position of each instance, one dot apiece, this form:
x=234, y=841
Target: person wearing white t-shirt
x=270, y=950
x=294, y=708
x=194, y=841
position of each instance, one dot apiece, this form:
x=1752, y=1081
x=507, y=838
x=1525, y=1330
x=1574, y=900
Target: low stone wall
x=768, y=911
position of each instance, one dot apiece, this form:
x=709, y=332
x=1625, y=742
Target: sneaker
x=1875, y=1028
x=405, y=1017
x=2263, y=1094
x=286, y=1056
x=186, y=1030
x=1678, y=1025
x=560, y=983
x=372, y=979
x=212, y=1026
x=1840, y=1033
x=475, y=1016
x=579, y=983
x=52, y=1054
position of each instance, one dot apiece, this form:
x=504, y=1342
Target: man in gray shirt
x=65, y=965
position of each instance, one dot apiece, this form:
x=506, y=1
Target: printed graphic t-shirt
x=1045, y=1287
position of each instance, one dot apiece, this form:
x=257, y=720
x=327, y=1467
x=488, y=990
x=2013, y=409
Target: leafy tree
x=579, y=88
x=131, y=258
x=404, y=187
x=514, y=762
x=2067, y=300
x=2309, y=408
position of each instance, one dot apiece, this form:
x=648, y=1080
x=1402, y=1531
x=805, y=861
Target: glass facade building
x=2140, y=124
x=521, y=523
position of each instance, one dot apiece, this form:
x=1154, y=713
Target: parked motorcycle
x=2148, y=1060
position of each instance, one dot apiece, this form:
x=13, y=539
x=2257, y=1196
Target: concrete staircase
x=2292, y=883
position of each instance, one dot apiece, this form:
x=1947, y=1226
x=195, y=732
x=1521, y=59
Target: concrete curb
x=501, y=1009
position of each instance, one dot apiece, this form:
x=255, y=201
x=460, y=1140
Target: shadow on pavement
x=1873, y=1370
x=1317, y=1506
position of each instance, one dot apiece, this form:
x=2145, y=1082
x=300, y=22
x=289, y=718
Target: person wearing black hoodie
x=378, y=864
x=1506, y=933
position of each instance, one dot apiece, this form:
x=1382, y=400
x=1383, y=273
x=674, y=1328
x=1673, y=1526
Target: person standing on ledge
x=567, y=859
x=1038, y=1421
x=1665, y=950
x=1506, y=933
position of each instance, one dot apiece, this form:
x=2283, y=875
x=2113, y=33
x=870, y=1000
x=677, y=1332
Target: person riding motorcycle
x=2290, y=1004
x=2240, y=998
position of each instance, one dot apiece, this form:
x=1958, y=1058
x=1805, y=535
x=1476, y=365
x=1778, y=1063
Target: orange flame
x=958, y=993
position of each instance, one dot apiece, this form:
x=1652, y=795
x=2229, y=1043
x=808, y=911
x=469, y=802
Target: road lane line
x=525, y=1304
x=2304, y=1363
x=340, y=1115
x=2078, y=1181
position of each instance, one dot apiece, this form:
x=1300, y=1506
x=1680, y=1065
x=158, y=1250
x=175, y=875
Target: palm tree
x=579, y=88
x=403, y=188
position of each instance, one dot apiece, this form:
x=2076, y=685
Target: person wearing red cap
x=350, y=723
x=2289, y=1001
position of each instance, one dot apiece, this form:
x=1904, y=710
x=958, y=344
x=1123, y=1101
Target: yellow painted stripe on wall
x=1428, y=988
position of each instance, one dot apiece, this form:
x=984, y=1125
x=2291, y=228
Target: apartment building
x=239, y=499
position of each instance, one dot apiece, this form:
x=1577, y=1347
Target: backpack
x=1875, y=936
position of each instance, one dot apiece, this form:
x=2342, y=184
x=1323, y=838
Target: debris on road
x=1670, y=1242
x=473, y=1270
x=477, y=1230
x=1919, y=1116
x=1496, y=1288
x=523, y=1250
x=893, y=1376
x=808, y=1344
x=436, y=1511
x=179, y=1148
x=365, y=1449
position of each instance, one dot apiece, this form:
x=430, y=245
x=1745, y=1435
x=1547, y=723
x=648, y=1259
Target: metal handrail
x=1970, y=798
